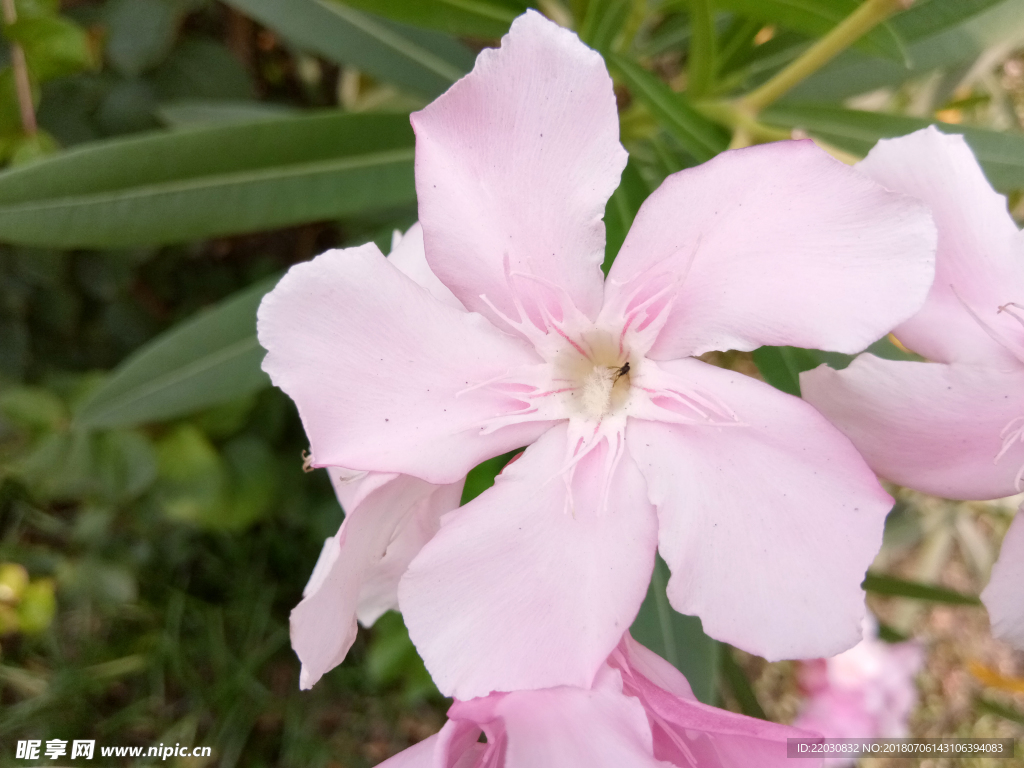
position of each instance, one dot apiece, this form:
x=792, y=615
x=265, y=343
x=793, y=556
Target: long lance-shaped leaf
x=881, y=584
x=210, y=180
x=698, y=136
x=677, y=638
x=422, y=62
x=469, y=18
x=941, y=35
x=815, y=18
x=1001, y=154
x=207, y=360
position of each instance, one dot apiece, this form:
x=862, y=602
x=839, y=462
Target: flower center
x=596, y=375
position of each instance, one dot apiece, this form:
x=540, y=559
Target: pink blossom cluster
x=491, y=328
x=866, y=692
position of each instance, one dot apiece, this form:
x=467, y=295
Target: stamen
x=1011, y=434
x=995, y=336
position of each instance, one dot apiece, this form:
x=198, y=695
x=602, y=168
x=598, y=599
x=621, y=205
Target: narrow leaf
x=677, y=638
x=423, y=62
x=736, y=679
x=698, y=136
x=931, y=17
x=816, y=17
x=1001, y=154
x=622, y=208
x=464, y=18
x=207, y=360
x=210, y=180
x=881, y=584
x=701, y=59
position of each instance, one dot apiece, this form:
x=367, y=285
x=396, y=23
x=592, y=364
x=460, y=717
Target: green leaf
x=622, y=208
x=192, y=480
x=603, y=22
x=781, y=366
x=202, y=69
x=140, y=33
x=210, y=180
x=54, y=46
x=678, y=639
x=816, y=17
x=988, y=26
x=209, y=359
x=736, y=679
x=1001, y=154
x=881, y=584
x=425, y=63
x=184, y=112
x=482, y=476
x=931, y=17
x=698, y=136
x=701, y=59
x=1011, y=713
x=465, y=18
x=33, y=407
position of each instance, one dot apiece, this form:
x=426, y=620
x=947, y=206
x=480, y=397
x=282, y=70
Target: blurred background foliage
x=168, y=159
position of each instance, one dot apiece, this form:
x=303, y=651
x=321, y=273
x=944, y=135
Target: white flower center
x=596, y=376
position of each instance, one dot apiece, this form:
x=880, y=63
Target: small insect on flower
x=621, y=372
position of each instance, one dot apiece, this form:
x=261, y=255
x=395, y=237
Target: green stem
x=741, y=121
x=868, y=15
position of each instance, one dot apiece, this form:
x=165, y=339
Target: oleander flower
x=640, y=713
x=766, y=515
x=952, y=427
x=867, y=692
x=388, y=519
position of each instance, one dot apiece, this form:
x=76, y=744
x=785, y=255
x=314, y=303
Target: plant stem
x=22, y=85
x=868, y=15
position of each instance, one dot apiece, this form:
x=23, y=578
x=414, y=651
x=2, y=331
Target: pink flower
x=767, y=515
x=868, y=692
x=640, y=713
x=388, y=519
x=952, y=427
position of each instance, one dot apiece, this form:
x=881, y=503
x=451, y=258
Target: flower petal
x=567, y=727
x=383, y=374
x=768, y=525
x=694, y=735
x=379, y=590
x=519, y=591
x=1004, y=595
x=774, y=244
x=929, y=426
x=323, y=625
x=516, y=162
x=408, y=255
x=421, y=755
x=980, y=259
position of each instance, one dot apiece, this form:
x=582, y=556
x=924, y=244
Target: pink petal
x=516, y=161
x=566, y=727
x=932, y=427
x=776, y=244
x=517, y=591
x=768, y=525
x=323, y=625
x=379, y=590
x=688, y=733
x=383, y=374
x=420, y=755
x=980, y=259
x=408, y=255
x=1004, y=595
